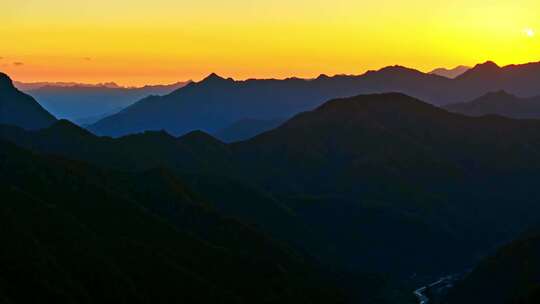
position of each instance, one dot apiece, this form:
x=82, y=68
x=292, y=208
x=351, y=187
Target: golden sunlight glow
x=137, y=42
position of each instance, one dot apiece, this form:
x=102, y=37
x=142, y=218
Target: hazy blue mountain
x=25, y=86
x=88, y=120
x=450, y=73
x=80, y=102
x=499, y=103
x=19, y=109
x=216, y=103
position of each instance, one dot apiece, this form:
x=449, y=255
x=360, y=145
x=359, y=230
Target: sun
x=529, y=32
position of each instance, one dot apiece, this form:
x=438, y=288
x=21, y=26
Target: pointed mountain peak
x=213, y=78
x=323, y=77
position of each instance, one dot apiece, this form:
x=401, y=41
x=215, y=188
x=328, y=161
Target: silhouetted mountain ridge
x=499, y=103
x=215, y=102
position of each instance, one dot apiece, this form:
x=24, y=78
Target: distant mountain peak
x=213, y=78
x=450, y=73
x=488, y=68
x=394, y=70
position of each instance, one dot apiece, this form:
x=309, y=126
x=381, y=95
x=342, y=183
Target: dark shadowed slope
x=205, y=163
x=450, y=73
x=215, y=103
x=368, y=131
x=457, y=183
x=19, y=109
x=246, y=129
x=511, y=276
x=499, y=103
x=74, y=233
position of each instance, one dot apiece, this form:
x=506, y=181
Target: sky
x=135, y=42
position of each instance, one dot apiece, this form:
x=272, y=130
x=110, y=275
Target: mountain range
x=376, y=194
x=380, y=171
x=74, y=232
x=216, y=103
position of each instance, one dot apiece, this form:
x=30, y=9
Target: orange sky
x=163, y=41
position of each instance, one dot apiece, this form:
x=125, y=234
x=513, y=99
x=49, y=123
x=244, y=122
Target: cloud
x=87, y=58
x=1, y=58
x=18, y=63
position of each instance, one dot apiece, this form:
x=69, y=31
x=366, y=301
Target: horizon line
x=118, y=84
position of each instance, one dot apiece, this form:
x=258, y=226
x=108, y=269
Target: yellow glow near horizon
x=161, y=41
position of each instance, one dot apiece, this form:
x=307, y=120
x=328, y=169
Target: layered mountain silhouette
x=85, y=104
x=363, y=183
x=215, y=103
x=499, y=103
x=19, y=109
x=376, y=183
x=451, y=73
